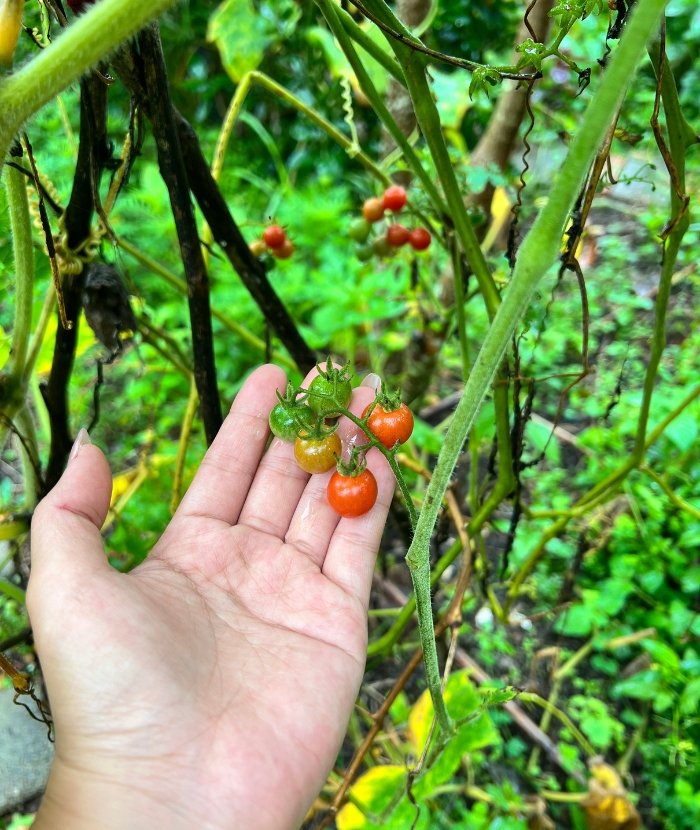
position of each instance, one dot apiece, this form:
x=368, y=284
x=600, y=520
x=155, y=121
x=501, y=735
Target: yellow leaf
x=350, y=818
x=419, y=721
x=375, y=789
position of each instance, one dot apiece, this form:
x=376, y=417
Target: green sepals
x=569, y=11
x=389, y=401
x=532, y=53
x=482, y=78
x=356, y=464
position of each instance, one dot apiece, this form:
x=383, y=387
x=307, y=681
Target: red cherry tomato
x=419, y=239
x=284, y=251
x=394, y=198
x=397, y=235
x=274, y=236
x=373, y=209
x=352, y=495
x=390, y=427
x=317, y=455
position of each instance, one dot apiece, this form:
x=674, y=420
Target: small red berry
x=274, y=236
x=394, y=198
x=397, y=235
x=283, y=251
x=373, y=209
x=419, y=239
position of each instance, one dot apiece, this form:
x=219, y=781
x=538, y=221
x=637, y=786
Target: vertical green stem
x=21, y=229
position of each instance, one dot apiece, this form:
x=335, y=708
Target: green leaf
x=242, y=33
x=662, y=654
x=576, y=621
x=5, y=343
x=532, y=53
x=645, y=685
x=690, y=698
x=482, y=79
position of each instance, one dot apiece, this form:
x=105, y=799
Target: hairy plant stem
x=89, y=38
x=21, y=230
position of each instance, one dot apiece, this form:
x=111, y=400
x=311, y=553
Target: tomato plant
x=419, y=239
x=390, y=426
x=394, y=198
x=274, y=236
x=373, y=209
x=352, y=495
x=317, y=455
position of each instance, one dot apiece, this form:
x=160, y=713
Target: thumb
x=66, y=524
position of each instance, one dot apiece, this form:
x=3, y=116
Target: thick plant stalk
x=539, y=251
x=20, y=225
x=90, y=38
x=174, y=174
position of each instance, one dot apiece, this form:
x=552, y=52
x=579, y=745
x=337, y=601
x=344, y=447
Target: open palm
x=215, y=680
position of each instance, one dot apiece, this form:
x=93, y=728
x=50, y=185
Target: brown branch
x=78, y=218
x=172, y=170
x=218, y=216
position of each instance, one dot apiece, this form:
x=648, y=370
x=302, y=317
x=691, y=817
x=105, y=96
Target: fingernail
x=372, y=381
x=81, y=439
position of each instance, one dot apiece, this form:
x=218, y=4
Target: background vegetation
x=564, y=562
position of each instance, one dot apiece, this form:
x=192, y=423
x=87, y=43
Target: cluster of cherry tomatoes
x=394, y=235
x=275, y=241
x=308, y=418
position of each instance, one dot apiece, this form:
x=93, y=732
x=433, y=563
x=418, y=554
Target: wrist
x=76, y=799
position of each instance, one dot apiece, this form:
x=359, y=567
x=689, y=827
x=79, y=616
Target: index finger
x=221, y=484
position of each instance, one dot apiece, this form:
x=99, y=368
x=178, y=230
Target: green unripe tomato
x=364, y=252
x=286, y=421
x=326, y=387
x=359, y=230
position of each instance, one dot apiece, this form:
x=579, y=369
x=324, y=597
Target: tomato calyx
x=388, y=400
x=355, y=465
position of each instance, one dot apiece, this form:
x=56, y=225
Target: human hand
x=211, y=686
